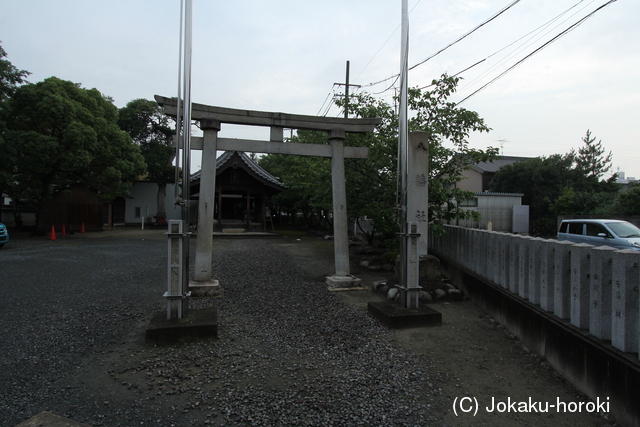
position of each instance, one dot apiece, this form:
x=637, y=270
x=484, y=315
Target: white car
x=601, y=232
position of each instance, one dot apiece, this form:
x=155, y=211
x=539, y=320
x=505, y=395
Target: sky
x=286, y=55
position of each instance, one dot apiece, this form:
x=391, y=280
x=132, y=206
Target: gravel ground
x=73, y=315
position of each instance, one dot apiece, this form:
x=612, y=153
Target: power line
x=466, y=35
x=571, y=28
x=513, y=53
x=446, y=47
x=383, y=45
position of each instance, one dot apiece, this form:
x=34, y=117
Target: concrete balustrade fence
x=595, y=288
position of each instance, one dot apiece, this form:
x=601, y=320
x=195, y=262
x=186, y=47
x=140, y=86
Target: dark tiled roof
x=488, y=193
x=224, y=158
x=498, y=163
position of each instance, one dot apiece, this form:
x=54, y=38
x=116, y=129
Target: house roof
x=497, y=163
x=223, y=159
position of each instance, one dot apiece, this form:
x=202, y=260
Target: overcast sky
x=286, y=55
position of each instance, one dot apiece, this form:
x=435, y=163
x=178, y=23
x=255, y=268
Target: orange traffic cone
x=52, y=236
x=64, y=231
x=82, y=228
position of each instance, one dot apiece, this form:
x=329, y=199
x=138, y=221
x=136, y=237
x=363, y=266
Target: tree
x=10, y=79
x=149, y=128
x=372, y=182
x=560, y=184
x=591, y=160
x=64, y=134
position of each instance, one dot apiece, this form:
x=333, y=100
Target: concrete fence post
x=601, y=292
x=625, y=302
x=505, y=256
x=524, y=255
x=514, y=264
x=535, y=269
x=547, y=272
x=580, y=279
x=562, y=280
x=466, y=247
x=494, y=257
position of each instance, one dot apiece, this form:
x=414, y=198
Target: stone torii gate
x=211, y=118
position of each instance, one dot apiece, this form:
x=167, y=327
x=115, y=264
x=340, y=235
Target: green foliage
x=149, y=128
x=561, y=184
x=372, y=182
x=591, y=160
x=59, y=134
x=10, y=77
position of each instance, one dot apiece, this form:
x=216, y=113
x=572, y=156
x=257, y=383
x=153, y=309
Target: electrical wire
x=468, y=33
x=383, y=45
x=566, y=31
x=532, y=34
x=325, y=101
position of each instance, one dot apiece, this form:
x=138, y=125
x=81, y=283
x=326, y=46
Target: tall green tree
x=560, y=184
x=150, y=129
x=592, y=160
x=10, y=78
x=64, y=134
x=372, y=182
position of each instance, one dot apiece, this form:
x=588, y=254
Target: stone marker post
x=177, y=301
x=625, y=301
x=547, y=274
x=418, y=187
x=600, y=295
x=562, y=280
x=580, y=278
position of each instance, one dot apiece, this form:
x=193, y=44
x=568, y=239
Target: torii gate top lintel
x=271, y=119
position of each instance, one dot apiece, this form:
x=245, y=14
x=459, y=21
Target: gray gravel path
x=290, y=352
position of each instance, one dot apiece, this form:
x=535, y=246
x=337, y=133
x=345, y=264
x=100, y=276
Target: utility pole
x=346, y=92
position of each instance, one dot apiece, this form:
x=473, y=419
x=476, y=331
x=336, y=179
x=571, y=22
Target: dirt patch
x=479, y=358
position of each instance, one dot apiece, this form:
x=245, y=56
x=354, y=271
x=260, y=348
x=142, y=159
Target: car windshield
x=624, y=229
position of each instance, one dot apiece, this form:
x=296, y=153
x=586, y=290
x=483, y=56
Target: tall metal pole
x=409, y=288
x=403, y=133
x=179, y=105
x=346, y=94
x=186, y=146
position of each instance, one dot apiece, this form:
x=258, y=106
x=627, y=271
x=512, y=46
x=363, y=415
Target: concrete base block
x=48, y=419
x=210, y=288
x=198, y=324
x=394, y=316
x=342, y=281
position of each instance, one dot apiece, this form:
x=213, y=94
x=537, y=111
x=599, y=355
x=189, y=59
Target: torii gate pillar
x=203, y=284
x=342, y=276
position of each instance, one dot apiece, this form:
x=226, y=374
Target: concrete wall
x=144, y=195
x=576, y=305
x=496, y=208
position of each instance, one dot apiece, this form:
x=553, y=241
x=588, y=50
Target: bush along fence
x=595, y=288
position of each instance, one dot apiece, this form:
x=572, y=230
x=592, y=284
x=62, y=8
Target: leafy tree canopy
x=149, y=128
x=372, y=182
x=58, y=134
x=560, y=184
x=10, y=76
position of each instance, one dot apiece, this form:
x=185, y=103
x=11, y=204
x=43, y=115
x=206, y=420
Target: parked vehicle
x=601, y=232
x=4, y=235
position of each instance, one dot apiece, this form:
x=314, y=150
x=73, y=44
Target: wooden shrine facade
x=242, y=192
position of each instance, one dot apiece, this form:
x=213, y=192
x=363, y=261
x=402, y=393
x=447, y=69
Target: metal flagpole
x=409, y=288
x=179, y=113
